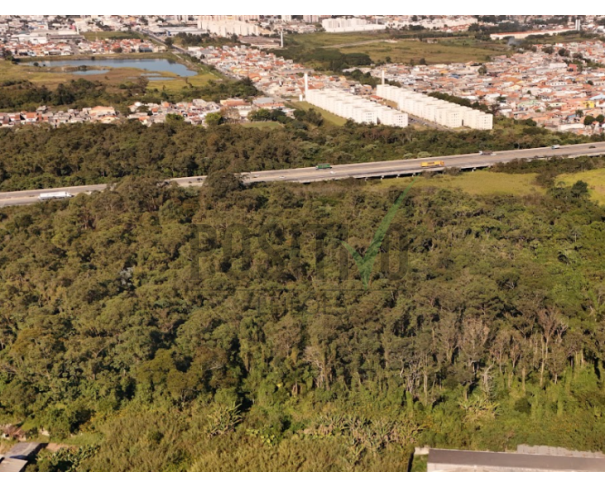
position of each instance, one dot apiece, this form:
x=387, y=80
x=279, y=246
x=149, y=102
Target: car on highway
x=593, y=147
x=320, y=167
x=57, y=195
x=555, y=147
x=433, y=164
x=486, y=153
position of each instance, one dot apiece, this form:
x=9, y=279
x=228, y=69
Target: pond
x=151, y=65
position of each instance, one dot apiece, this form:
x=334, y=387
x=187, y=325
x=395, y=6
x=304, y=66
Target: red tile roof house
x=31, y=117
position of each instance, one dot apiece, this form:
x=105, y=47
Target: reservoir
x=150, y=65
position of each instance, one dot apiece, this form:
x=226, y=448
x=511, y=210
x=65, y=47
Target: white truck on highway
x=57, y=195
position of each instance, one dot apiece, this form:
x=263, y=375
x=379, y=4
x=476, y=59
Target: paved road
x=358, y=171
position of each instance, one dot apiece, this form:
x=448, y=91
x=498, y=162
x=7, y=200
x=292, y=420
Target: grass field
x=93, y=36
x=559, y=39
x=263, y=125
x=403, y=51
x=379, y=46
x=176, y=84
x=595, y=180
x=329, y=117
x=323, y=39
x=476, y=183
x=52, y=77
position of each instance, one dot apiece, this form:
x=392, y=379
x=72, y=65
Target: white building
x=356, y=108
x=349, y=25
x=434, y=110
x=226, y=28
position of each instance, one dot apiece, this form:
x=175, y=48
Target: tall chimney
x=282, y=38
x=383, y=77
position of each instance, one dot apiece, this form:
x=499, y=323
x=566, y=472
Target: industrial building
x=356, y=108
x=434, y=110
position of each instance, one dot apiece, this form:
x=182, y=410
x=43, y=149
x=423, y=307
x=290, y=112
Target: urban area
x=349, y=243
x=560, y=86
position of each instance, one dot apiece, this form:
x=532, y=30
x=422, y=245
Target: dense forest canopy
x=494, y=336
x=159, y=328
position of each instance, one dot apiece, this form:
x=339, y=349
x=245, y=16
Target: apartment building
x=434, y=110
x=356, y=108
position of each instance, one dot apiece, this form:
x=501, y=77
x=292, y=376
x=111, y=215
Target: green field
x=52, y=77
x=176, y=84
x=476, y=183
x=595, y=180
x=93, y=36
x=447, y=51
x=329, y=117
x=380, y=45
x=323, y=39
x=263, y=125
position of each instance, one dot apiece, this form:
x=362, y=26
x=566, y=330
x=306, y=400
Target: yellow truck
x=433, y=164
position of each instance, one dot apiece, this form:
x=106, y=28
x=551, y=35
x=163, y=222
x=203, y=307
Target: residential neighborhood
x=546, y=86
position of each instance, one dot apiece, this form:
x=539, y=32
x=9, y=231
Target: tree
x=589, y=120
x=220, y=184
x=214, y=119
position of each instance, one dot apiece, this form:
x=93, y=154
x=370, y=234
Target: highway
x=366, y=170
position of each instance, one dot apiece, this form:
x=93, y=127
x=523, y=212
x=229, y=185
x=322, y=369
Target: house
x=12, y=465
x=18, y=457
x=98, y=112
x=31, y=117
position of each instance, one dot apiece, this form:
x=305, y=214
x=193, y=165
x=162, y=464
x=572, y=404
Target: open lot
x=93, y=36
x=323, y=39
x=477, y=183
x=176, y=84
x=328, y=117
x=380, y=45
x=446, y=51
x=595, y=180
x=263, y=125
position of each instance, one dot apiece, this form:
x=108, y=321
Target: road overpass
x=367, y=170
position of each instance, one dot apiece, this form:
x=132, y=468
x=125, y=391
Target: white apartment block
x=434, y=110
x=356, y=108
x=349, y=25
x=226, y=27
